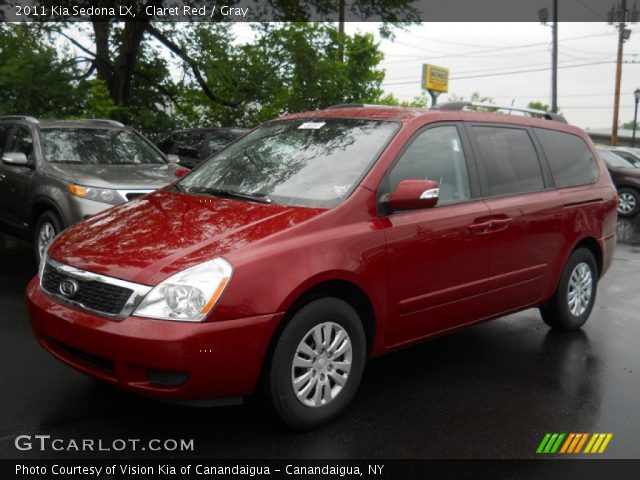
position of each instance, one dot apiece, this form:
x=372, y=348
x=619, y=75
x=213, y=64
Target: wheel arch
x=41, y=205
x=337, y=288
x=591, y=244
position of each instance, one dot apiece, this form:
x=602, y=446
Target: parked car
x=626, y=178
x=194, y=145
x=632, y=155
x=325, y=238
x=55, y=173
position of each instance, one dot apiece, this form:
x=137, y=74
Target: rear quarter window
x=570, y=159
x=509, y=163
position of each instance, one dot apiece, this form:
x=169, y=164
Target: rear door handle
x=482, y=227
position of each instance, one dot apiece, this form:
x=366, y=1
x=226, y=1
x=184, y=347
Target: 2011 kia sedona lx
x=321, y=239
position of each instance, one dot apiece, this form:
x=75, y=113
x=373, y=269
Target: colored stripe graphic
x=551, y=443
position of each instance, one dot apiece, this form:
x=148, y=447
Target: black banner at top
x=308, y=10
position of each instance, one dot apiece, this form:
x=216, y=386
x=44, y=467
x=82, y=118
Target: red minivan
x=322, y=239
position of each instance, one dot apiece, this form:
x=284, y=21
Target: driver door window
x=435, y=154
x=22, y=142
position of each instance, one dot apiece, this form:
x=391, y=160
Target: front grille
x=91, y=294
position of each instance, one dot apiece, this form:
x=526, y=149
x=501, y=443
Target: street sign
x=435, y=78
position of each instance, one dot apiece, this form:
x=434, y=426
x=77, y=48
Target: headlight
x=103, y=195
x=189, y=295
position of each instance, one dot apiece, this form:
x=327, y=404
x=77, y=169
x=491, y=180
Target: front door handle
x=493, y=225
x=500, y=224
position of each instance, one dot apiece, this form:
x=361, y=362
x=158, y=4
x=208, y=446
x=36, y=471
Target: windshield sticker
x=455, y=144
x=340, y=190
x=311, y=125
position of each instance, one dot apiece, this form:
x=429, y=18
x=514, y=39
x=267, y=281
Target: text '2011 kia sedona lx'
x=322, y=239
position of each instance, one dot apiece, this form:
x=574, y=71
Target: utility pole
x=543, y=14
x=554, y=60
x=616, y=100
x=341, y=8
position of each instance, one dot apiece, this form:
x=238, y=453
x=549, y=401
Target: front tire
x=47, y=227
x=628, y=202
x=317, y=364
x=571, y=305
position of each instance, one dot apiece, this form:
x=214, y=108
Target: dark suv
x=194, y=145
x=321, y=239
x=626, y=177
x=55, y=173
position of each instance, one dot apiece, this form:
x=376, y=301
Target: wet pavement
x=491, y=391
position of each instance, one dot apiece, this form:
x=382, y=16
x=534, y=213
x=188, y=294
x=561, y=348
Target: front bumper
x=170, y=360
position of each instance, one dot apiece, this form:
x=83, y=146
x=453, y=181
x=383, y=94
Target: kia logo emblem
x=68, y=287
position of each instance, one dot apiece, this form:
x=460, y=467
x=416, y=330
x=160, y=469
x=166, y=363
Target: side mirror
x=15, y=158
x=173, y=158
x=414, y=194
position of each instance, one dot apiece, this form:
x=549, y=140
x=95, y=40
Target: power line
x=514, y=72
x=498, y=69
x=513, y=47
x=533, y=70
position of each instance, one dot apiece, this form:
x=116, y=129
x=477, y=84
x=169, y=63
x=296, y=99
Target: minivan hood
x=153, y=237
x=139, y=176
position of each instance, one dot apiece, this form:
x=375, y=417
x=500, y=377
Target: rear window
x=572, y=163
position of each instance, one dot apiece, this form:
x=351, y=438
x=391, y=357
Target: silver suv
x=55, y=173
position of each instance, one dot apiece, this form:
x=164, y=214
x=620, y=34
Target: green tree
x=34, y=79
x=289, y=68
x=117, y=46
x=536, y=105
x=629, y=125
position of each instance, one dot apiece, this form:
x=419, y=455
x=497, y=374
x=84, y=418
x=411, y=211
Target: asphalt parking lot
x=491, y=391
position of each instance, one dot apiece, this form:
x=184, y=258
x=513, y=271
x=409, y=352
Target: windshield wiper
x=230, y=194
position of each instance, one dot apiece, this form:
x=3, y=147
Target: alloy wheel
x=321, y=364
x=580, y=289
x=626, y=203
x=45, y=236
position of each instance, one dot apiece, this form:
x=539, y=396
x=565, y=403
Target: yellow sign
x=435, y=78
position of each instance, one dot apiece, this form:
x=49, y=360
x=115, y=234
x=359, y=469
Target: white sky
x=482, y=56
x=476, y=52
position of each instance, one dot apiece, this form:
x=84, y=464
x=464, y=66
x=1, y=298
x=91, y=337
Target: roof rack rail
x=20, y=117
x=103, y=120
x=462, y=105
x=357, y=105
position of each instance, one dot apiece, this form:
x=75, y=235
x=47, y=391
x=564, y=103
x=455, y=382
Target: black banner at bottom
x=203, y=469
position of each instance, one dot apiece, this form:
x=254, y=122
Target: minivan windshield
x=95, y=146
x=307, y=162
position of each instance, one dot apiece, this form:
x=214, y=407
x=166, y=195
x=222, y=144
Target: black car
x=626, y=177
x=194, y=145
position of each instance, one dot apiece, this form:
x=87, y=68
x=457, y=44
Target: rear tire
x=317, y=364
x=571, y=304
x=628, y=202
x=47, y=227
